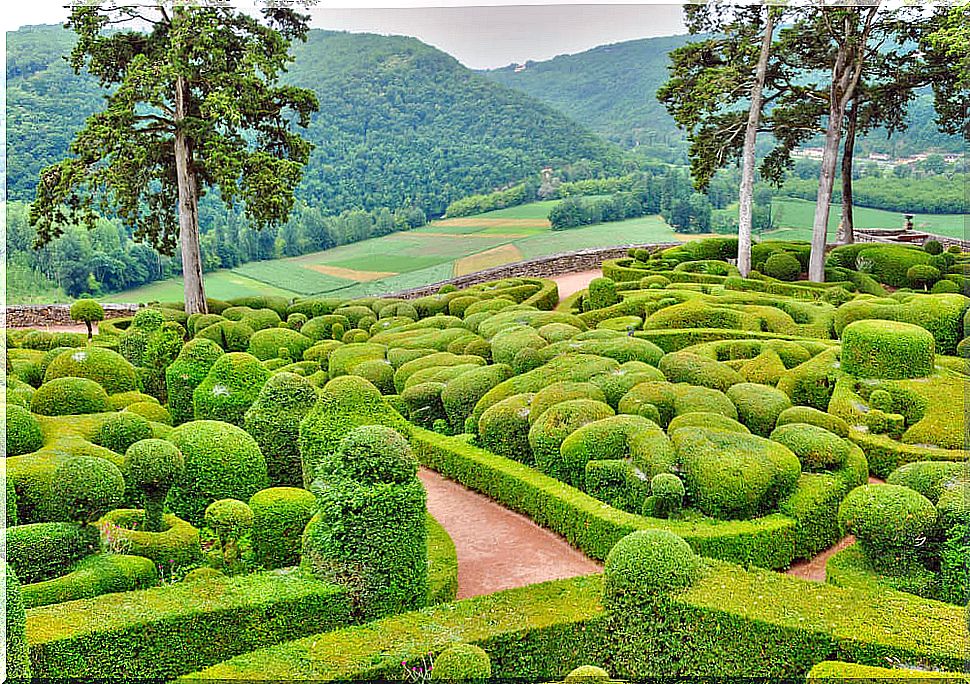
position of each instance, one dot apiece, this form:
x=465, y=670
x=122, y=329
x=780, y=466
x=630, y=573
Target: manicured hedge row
x=170, y=630
x=538, y=631
x=671, y=340
x=730, y=622
x=833, y=669
x=886, y=454
x=589, y=524
x=442, y=564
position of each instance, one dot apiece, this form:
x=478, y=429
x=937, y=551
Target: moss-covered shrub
x=231, y=336
x=23, y=431
x=706, y=419
x=816, y=448
x=280, y=514
x=121, y=430
x=890, y=522
x=646, y=563
x=551, y=428
x=462, y=663
x=941, y=314
x=734, y=476
x=667, y=491
x=186, y=373
x=108, y=368
x=41, y=551
x=221, y=461
x=230, y=388
x=274, y=422
x=782, y=266
x=266, y=344
x=173, y=545
x=649, y=398
x=369, y=533
x=84, y=487
x=758, y=405
x=885, y=349
x=929, y=478
x=69, y=396
x=460, y=394
x=698, y=370
x=889, y=263
x=229, y=519
x=503, y=429
x=152, y=467
x=691, y=399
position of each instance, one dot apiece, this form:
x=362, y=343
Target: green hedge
x=887, y=349
x=885, y=454
x=442, y=564
x=163, y=632
x=92, y=576
x=589, y=524
x=41, y=551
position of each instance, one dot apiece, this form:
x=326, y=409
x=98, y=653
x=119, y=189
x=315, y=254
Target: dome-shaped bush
x=221, y=461
x=122, y=430
x=462, y=663
x=558, y=392
x=933, y=247
x=280, y=514
x=231, y=336
x=645, y=563
x=688, y=367
x=230, y=388
x=229, y=518
x=706, y=419
x=321, y=327
x=554, y=425
x=503, y=428
x=758, y=405
x=274, y=422
x=922, y=276
x=782, y=266
x=816, y=448
x=460, y=394
x=107, y=368
x=69, y=396
x=23, y=431
x=87, y=310
x=953, y=508
x=266, y=344
x=375, y=453
x=811, y=416
x=84, y=487
x=692, y=399
x=186, y=373
x=648, y=398
x=945, y=287
x=588, y=674
x=890, y=522
x=881, y=400
x=930, y=478
x=668, y=493
x=151, y=410
x=152, y=466
x=887, y=349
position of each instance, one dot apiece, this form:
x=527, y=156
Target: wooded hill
x=400, y=123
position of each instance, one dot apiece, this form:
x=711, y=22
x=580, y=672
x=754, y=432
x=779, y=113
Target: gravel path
x=498, y=549
x=570, y=283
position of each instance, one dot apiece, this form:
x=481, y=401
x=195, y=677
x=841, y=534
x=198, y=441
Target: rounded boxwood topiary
x=84, y=487
x=229, y=519
x=590, y=674
x=706, y=419
x=817, y=449
x=758, y=405
x=23, y=431
x=151, y=410
x=280, y=514
x=645, y=563
x=933, y=247
x=69, y=396
x=186, y=373
x=152, y=466
x=890, y=522
x=173, y=545
x=462, y=663
x=953, y=508
x=811, y=416
x=460, y=394
x=221, y=461
x=887, y=349
x=266, y=344
x=104, y=366
x=274, y=422
x=503, y=428
x=89, y=311
x=230, y=388
x=122, y=430
x=929, y=478
x=922, y=276
x=554, y=425
x=375, y=453
x=945, y=287
x=782, y=266
x=881, y=400
x=668, y=492
x=231, y=336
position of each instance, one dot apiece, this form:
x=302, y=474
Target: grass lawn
x=219, y=285
x=794, y=220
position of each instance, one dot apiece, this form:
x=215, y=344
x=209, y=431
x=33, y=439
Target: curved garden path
x=497, y=548
x=570, y=283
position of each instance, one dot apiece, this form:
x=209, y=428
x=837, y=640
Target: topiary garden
x=238, y=496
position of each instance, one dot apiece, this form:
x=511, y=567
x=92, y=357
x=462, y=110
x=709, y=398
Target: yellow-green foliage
x=940, y=314
x=734, y=476
x=503, y=429
x=280, y=514
x=758, y=406
x=16, y=648
x=230, y=388
x=889, y=521
x=93, y=576
x=887, y=349
x=617, y=437
x=462, y=662
x=460, y=394
x=811, y=416
x=23, y=431
x=344, y=359
x=267, y=343
x=108, y=368
x=69, y=396
x=552, y=427
x=176, y=545
x=694, y=369
x=186, y=373
x=830, y=669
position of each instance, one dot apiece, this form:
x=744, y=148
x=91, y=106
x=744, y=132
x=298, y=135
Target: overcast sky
x=490, y=34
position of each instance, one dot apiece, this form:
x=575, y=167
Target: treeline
x=106, y=259
x=934, y=194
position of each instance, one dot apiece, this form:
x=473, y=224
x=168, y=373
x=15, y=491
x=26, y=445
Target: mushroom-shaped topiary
x=89, y=311
x=23, y=431
x=152, y=466
x=891, y=522
x=122, y=430
x=462, y=662
x=922, y=276
x=229, y=519
x=645, y=563
x=84, y=487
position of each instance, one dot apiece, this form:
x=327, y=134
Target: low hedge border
x=589, y=524
x=166, y=631
x=671, y=340
x=834, y=669
x=442, y=564
x=730, y=622
x=886, y=454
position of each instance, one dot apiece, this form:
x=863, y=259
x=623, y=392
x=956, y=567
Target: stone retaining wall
x=886, y=236
x=42, y=315
x=542, y=267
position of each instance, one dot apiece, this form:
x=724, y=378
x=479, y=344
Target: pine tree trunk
x=746, y=194
x=188, y=208
x=847, y=235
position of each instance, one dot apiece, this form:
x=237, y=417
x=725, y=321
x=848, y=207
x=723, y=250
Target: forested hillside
x=612, y=89
x=400, y=123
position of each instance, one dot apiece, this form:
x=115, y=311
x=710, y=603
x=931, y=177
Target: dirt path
x=570, y=283
x=58, y=327
x=498, y=549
